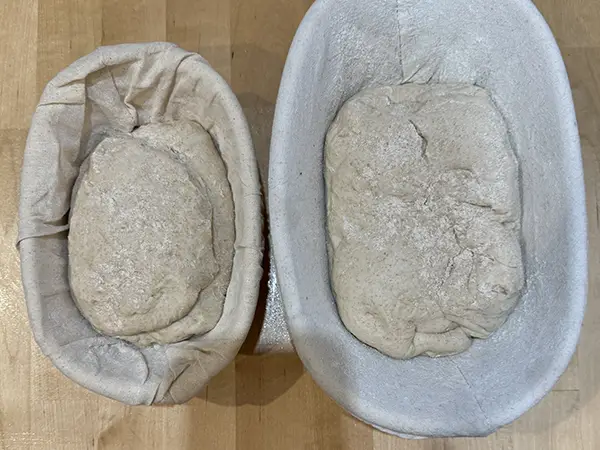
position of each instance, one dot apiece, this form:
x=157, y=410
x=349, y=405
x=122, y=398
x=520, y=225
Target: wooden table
x=266, y=402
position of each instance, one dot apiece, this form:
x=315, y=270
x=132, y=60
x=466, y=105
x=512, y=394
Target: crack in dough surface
x=151, y=234
x=423, y=216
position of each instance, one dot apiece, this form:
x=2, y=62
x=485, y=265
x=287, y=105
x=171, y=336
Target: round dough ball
x=423, y=215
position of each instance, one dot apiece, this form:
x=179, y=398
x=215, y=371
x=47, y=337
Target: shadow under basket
x=344, y=46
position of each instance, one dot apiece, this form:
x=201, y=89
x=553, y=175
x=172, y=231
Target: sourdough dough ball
x=423, y=214
x=151, y=234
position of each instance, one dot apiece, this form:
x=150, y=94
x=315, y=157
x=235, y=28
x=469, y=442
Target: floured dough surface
x=151, y=234
x=423, y=215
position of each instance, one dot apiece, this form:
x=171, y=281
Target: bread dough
x=151, y=234
x=423, y=214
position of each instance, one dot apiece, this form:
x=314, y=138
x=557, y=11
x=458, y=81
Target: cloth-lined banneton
x=135, y=91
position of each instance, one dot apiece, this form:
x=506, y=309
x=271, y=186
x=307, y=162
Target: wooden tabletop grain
x=257, y=403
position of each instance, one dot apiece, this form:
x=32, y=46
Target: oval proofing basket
x=120, y=88
x=344, y=46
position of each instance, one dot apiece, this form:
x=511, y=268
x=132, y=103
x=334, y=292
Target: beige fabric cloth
x=119, y=88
